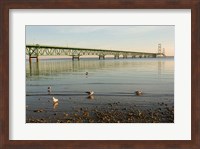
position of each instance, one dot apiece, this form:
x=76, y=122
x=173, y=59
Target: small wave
x=100, y=94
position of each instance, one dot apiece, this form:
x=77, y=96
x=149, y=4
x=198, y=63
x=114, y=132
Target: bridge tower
x=163, y=51
x=159, y=48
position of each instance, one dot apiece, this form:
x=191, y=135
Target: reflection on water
x=35, y=69
x=104, y=76
x=161, y=68
x=55, y=105
x=51, y=67
x=90, y=97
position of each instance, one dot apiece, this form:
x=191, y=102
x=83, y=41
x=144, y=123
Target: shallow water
x=112, y=80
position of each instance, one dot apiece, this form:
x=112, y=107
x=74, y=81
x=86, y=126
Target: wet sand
x=100, y=109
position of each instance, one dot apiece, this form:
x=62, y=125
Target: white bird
x=90, y=93
x=55, y=100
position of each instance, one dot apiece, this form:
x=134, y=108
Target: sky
x=123, y=38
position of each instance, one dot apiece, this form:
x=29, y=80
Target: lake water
x=112, y=80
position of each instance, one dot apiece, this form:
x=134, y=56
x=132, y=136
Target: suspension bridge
x=34, y=51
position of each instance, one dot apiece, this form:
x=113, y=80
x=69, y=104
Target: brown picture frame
x=6, y=5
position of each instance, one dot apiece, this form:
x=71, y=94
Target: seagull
x=90, y=93
x=138, y=93
x=55, y=100
x=49, y=89
x=86, y=73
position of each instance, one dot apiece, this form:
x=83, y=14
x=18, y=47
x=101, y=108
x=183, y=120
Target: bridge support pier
x=154, y=56
x=116, y=57
x=75, y=57
x=133, y=56
x=101, y=56
x=30, y=59
x=124, y=56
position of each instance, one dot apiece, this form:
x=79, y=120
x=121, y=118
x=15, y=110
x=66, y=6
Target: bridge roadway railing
x=34, y=51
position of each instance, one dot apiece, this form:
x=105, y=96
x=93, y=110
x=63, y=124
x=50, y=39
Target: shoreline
x=111, y=112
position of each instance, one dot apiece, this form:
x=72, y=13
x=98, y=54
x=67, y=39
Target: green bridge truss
x=34, y=51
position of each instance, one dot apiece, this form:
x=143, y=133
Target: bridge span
x=34, y=51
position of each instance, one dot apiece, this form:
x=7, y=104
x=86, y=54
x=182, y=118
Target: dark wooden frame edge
x=5, y=5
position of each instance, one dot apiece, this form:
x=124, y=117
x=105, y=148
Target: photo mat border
x=19, y=18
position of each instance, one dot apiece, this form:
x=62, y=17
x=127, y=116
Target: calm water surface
x=110, y=79
x=153, y=76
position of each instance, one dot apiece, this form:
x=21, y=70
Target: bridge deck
x=34, y=51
